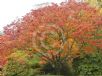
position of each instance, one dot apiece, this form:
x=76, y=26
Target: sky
x=13, y=9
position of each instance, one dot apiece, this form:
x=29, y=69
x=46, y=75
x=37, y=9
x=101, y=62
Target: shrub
x=88, y=64
x=19, y=64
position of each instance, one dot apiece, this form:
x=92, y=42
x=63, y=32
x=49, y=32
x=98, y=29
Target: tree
x=80, y=21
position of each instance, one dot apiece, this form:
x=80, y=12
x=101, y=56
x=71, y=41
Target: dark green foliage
x=57, y=68
x=61, y=69
x=88, y=65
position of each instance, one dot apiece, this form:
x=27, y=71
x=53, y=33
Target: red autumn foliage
x=2, y=61
x=79, y=18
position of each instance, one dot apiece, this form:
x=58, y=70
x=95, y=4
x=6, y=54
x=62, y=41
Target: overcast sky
x=12, y=9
